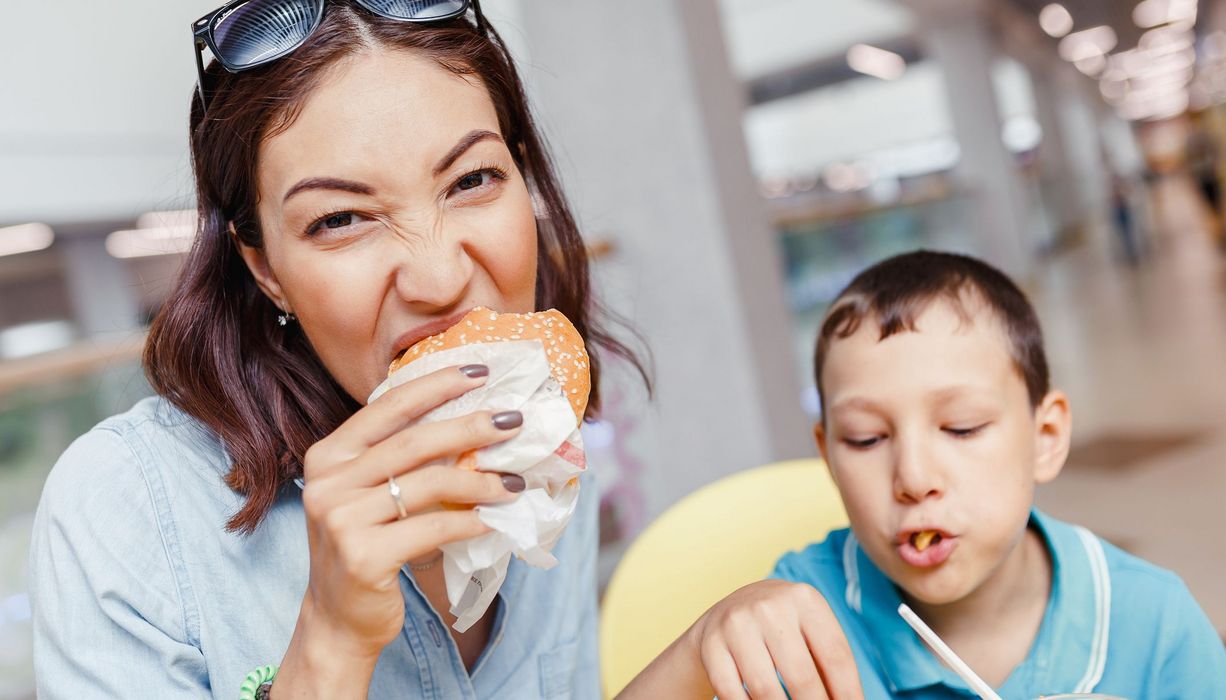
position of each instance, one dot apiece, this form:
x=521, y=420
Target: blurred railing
x=46, y=402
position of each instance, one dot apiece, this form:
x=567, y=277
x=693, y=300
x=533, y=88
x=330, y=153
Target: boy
x=937, y=424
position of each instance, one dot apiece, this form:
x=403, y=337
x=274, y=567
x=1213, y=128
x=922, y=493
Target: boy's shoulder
x=823, y=564
x=1124, y=572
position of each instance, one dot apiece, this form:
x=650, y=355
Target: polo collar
x=1068, y=655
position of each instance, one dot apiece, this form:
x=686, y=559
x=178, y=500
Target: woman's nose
x=435, y=273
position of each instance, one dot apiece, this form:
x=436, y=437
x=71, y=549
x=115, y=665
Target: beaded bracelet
x=257, y=681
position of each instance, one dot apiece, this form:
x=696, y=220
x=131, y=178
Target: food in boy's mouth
x=568, y=359
x=926, y=548
x=923, y=538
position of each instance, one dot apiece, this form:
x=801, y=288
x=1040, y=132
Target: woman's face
x=390, y=207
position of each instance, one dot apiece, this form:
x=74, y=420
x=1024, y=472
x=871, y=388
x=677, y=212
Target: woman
x=364, y=177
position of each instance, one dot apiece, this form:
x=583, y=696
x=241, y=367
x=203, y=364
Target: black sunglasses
x=243, y=34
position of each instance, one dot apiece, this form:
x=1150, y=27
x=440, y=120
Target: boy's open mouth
x=926, y=548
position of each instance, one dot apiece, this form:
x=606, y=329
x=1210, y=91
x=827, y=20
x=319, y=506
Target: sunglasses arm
x=199, y=44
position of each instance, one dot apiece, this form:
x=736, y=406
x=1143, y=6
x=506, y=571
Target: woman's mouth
x=926, y=548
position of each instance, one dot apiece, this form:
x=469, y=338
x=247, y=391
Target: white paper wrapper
x=548, y=453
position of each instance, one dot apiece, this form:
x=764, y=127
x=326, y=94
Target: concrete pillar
x=1063, y=192
x=957, y=35
x=644, y=116
x=104, y=300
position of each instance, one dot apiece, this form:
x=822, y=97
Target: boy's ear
x=1053, y=433
x=265, y=278
x=819, y=435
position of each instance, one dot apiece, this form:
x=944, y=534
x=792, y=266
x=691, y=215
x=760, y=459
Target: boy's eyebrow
x=960, y=391
x=857, y=403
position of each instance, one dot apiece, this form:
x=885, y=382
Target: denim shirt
x=139, y=591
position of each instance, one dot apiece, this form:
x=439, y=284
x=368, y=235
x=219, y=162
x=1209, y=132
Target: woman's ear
x=1053, y=432
x=257, y=262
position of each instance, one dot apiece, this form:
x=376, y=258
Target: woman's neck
x=470, y=642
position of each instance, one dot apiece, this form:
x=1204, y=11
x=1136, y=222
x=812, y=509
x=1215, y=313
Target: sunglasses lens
x=417, y=9
x=262, y=30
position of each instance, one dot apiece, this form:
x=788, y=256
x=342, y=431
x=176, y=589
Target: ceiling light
x=25, y=238
x=1150, y=13
x=156, y=219
x=876, y=62
x=1113, y=88
x=1088, y=42
x=144, y=242
x=1153, y=13
x=1055, y=20
x=1092, y=65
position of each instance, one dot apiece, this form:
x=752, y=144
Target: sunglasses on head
x=244, y=34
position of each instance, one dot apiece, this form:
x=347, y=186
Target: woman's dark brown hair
x=214, y=349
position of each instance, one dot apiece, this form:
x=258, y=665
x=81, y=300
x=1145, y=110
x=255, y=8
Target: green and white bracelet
x=257, y=683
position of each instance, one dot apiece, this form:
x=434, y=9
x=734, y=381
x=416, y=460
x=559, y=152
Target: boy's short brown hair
x=895, y=291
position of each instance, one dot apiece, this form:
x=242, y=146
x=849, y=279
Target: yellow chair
x=717, y=539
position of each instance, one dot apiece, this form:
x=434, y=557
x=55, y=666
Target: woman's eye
x=479, y=179
x=333, y=222
x=338, y=220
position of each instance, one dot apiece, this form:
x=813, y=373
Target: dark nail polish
x=513, y=482
x=474, y=371
x=508, y=420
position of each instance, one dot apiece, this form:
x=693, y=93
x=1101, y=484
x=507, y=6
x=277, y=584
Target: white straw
x=977, y=684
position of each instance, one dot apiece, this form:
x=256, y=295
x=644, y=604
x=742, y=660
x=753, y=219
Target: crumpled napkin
x=548, y=453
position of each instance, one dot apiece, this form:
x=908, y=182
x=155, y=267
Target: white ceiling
x=769, y=35
x=99, y=128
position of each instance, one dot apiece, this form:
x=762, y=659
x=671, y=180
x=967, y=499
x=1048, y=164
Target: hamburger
x=564, y=348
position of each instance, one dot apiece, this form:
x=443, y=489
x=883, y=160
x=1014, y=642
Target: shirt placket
x=434, y=647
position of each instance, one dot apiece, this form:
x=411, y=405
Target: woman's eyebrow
x=331, y=183
x=468, y=141
x=328, y=183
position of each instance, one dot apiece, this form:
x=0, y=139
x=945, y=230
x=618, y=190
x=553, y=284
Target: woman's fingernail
x=474, y=371
x=513, y=482
x=508, y=420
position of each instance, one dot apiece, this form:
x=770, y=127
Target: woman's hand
x=358, y=540
x=745, y=644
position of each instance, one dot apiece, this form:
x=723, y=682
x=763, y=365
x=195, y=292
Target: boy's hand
x=770, y=630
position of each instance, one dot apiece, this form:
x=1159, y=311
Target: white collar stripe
x=852, y=569
x=1102, y=595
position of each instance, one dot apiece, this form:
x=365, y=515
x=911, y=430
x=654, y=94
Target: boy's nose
x=916, y=475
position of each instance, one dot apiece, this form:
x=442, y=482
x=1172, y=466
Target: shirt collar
x=1069, y=653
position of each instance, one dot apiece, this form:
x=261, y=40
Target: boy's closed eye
x=965, y=431
x=863, y=443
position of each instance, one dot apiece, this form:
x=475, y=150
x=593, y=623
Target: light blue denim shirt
x=139, y=592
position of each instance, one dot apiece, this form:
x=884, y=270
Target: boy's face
x=933, y=430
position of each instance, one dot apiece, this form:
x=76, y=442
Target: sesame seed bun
x=564, y=348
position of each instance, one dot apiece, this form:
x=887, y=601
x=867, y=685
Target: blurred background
x=734, y=163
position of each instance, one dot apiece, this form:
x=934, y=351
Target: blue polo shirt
x=1114, y=624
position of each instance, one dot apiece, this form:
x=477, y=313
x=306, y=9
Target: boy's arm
x=759, y=635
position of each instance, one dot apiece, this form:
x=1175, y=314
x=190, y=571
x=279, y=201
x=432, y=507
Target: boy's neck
x=993, y=628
